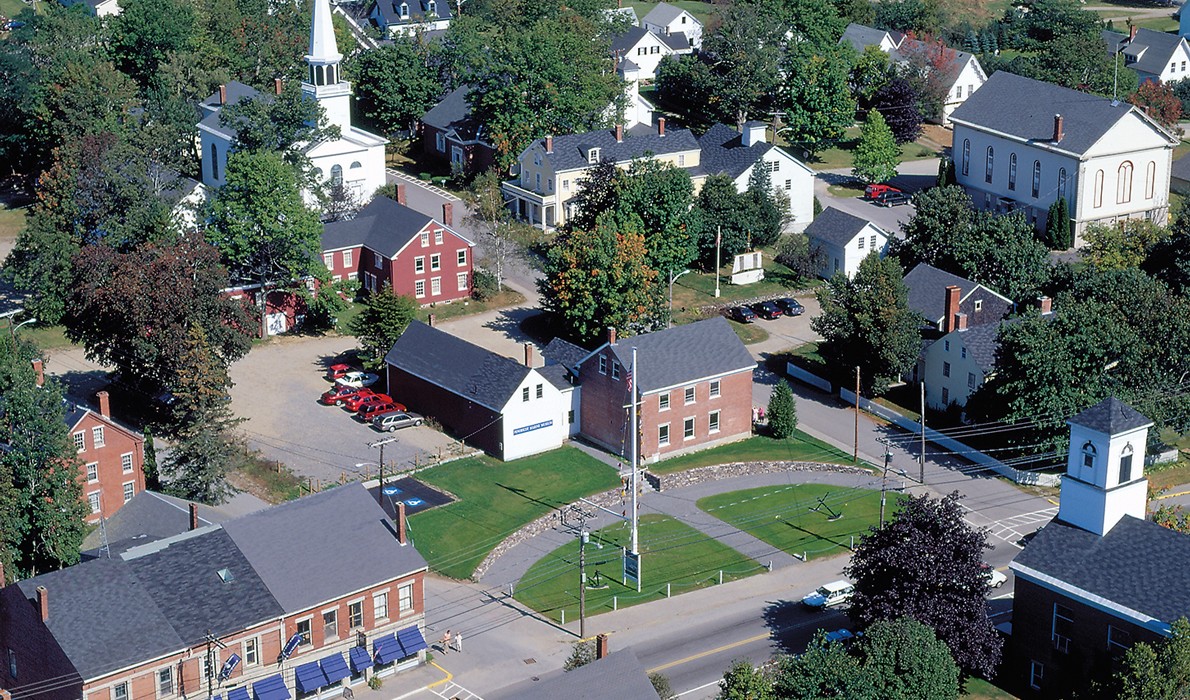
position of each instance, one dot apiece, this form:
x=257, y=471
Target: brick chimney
x=619, y=133
x=952, y=307
x=1059, y=128
x=400, y=194
x=661, y=126
x=39, y=370
x=528, y=354
x=1045, y=305
x=601, y=646
x=43, y=603
x=448, y=216
x=222, y=95
x=960, y=321
x=611, y=335
x=401, y=536
x=1132, y=33
x=278, y=84
x=105, y=404
x=193, y=516
x=549, y=144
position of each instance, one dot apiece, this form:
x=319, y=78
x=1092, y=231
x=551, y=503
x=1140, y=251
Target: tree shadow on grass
x=521, y=492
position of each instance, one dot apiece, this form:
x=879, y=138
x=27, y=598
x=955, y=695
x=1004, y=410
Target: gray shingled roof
x=663, y=14
x=570, y=150
x=982, y=341
x=861, y=36
x=623, y=42
x=236, y=91
x=684, y=354
x=1137, y=564
x=1024, y=108
x=678, y=41
x=1150, y=52
x=1111, y=416
x=836, y=227
x=383, y=226
x=618, y=675
x=1181, y=168
x=723, y=151
x=147, y=517
x=317, y=548
x=454, y=112
x=927, y=289
x=960, y=58
x=419, y=11
x=557, y=375
x=563, y=352
x=454, y=364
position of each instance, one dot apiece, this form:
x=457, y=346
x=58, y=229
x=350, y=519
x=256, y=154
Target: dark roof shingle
x=454, y=113
x=684, y=354
x=570, y=150
x=723, y=151
x=836, y=227
x=927, y=289
x=1149, y=52
x=383, y=226
x=1110, y=417
x=617, y=675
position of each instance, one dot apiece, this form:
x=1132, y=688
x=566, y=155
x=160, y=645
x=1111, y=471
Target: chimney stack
x=401, y=536
x=222, y=95
x=601, y=646
x=39, y=370
x=277, y=85
x=661, y=126
x=528, y=354
x=448, y=217
x=549, y=144
x=1132, y=33
x=952, y=307
x=1059, y=130
x=105, y=404
x=619, y=133
x=1045, y=305
x=401, y=194
x=43, y=603
x=193, y=516
x=611, y=335
x=960, y=321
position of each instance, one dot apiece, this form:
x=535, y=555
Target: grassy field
x=979, y=689
x=755, y=449
x=782, y=516
x=841, y=155
x=12, y=221
x=697, y=289
x=671, y=552
x=46, y=338
x=495, y=499
x=702, y=11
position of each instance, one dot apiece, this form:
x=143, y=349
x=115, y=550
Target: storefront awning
x=309, y=677
x=240, y=693
x=387, y=649
x=360, y=659
x=271, y=688
x=411, y=640
x=335, y=668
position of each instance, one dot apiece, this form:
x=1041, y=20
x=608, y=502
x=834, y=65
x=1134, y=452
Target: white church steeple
x=323, y=82
x=1104, y=478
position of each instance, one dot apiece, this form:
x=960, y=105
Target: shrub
x=483, y=285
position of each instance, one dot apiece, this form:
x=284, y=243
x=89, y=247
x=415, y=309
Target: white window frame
x=461, y=257
x=713, y=422
x=401, y=591
x=425, y=239
x=689, y=431
x=251, y=651
x=715, y=388
x=462, y=280
x=334, y=613
x=380, y=606
x=126, y=463
x=689, y=395
x=435, y=261
x=351, y=625
x=663, y=434
x=94, y=501
x=439, y=138
x=419, y=264
x=97, y=437
x=116, y=687
x=347, y=258
x=167, y=674
x=92, y=472
x=663, y=402
x=615, y=370
x=129, y=489
x=602, y=364
x=377, y=260
x=438, y=236
x=308, y=638
x=419, y=288
x=1123, y=644
x=328, y=259
x=80, y=441
x=435, y=286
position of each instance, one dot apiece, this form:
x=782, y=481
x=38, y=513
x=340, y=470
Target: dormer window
x=1126, y=464
x=432, y=8
x=1089, y=453
x=593, y=155
x=404, y=10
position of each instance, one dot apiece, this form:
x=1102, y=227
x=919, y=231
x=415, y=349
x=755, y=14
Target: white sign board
x=747, y=268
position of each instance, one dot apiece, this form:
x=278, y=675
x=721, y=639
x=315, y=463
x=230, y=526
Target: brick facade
x=412, y=272
x=112, y=460
x=476, y=157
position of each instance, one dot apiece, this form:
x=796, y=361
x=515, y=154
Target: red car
x=339, y=393
x=335, y=371
x=358, y=401
x=367, y=413
x=874, y=191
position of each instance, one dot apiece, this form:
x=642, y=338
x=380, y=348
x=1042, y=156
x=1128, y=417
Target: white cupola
x=323, y=82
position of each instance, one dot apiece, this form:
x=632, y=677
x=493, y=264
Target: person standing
x=446, y=642
x=459, y=642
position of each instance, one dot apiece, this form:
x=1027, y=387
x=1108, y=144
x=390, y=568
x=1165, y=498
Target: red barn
x=387, y=242
x=113, y=457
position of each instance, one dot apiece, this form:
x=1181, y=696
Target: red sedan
x=358, y=401
x=367, y=413
x=335, y=371
x=339, y=393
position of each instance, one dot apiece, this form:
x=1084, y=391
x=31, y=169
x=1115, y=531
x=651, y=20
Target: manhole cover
x=530, y=661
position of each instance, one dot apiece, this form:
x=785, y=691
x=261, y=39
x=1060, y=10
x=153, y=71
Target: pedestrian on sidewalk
x=459, y=642
x=760, y=413
x=446, y=642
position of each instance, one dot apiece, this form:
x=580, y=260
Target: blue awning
x=360, y=659
x=309, y=677
x=240, y=693
x=335, y=668
x=411, y=640
x=387, y=649
x=271, y=688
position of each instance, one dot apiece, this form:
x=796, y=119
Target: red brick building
x=695, y=384
x=113, y=457
x=297, y=600
x=451, y=136
x=389, y=243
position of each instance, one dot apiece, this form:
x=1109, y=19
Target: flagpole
x=635, y=457
x=718, y=242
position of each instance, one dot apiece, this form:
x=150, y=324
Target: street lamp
x=12, y=330
x=673, y=278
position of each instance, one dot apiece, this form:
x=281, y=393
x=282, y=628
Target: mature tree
x=897, y=103
x=662, y=686
x=135, y=310
x=1125, y=245
x=782, y=412
x=876, y=155
x=909, y=15
x=660, y=196
x=720, y=215
x=927, y=565
x=1046, y=21
x=1170, y=261
x=814, y=23
x=768, y=208
x=147, y=31
x=824, y=671
x=204, y=450
x=931, y=67
x=858, y=11
x=867, y=322
x=1172, y=517
x=41, y=504
x=600, y=278
x=743, y=681
x=1078, y=61
x=905, y=660
x=946, y=174
x=802, y=259
x=1160, y=670
x=870, y=72
x=491, y=218
x=597, y=192
x=395, y=84
x=1058, y=232
x=818, y=106
x=1158, y=100
x=150, y=468
x=276, y=123
x=382, y=321
x=694, y=87
x=1181, y=90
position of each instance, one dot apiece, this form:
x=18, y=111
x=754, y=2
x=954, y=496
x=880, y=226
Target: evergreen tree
x=385, y=318
x=768, y=219
x=971, y=42
x=782, y=412
x=152, y=473
x=946, y=174
x=1058, y=233
x=876, y=155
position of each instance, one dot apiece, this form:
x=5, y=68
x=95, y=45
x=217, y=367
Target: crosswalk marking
x=1013, y=528
x=454, y=691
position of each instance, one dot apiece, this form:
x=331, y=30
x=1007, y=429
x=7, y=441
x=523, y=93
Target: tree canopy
x=876, y=156
x=396, y=84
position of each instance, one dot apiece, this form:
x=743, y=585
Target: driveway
x=913, y=176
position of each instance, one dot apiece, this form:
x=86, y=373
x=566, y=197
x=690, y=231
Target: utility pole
x=584, y=537
x=381, y=444
x=921, y=460
x=884, y=482
x=855, y=455
x=212, y=642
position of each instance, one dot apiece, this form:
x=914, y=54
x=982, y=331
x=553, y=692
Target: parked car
x=358, y=379
x=995, y=578
x=874, y=191
x=13, y=24
x=742, y=314
x=842, y=634
x=336, y=395
x=335, y=371
x=395, y=421
x=790, y=307
x=829, y=595
x=368, y=413
x=767, y=310
x=892, y=199
x=358, y=401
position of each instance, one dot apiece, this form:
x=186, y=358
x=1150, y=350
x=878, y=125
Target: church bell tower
x=323, y=82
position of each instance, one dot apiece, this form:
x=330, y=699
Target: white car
x=357, y=380
x=995, y=578
x=829, y=595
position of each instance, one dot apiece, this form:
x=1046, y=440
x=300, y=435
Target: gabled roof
x=664, y=13
x=76, y=412
x=861, y=36
x=683, y=354
x=236, y=91
x=1138, y=565
x=1111, y=416
x=1024, y=109
x=678, y=41
x=570, y=150
x=617, y=675
x=419, y=11
x=383, y=226
x=456, y=365
x=723, y=151
x=625, y=41
x=1150, y=52
x=927, y=289
x=148, y=517
x=982, y=342
x=838, y=227
x=563, y=352
x=960, y=58
x=558, y=375
x=453, y=113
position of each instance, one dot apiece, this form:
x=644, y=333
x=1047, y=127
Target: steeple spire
x=323, y=50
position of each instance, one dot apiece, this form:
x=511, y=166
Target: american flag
x=630, y=382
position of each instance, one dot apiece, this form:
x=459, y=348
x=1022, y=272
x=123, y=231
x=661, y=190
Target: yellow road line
x=448, y=678
x=708, y=652
x=1173, y=495
x=1052, y=501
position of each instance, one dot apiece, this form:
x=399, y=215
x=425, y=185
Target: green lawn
x=12, y=8
x=46, y=338
x=979, y=689
x=497, y=498
x=840, y=156
x=671, y=552
x=757, y=448
x=697, y=289
x=781, y=515
x=702, y=11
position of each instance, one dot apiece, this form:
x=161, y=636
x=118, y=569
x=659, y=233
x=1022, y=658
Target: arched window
x=1124, y=183
x=1012, y=172
x=1150, y=179
x=1036, y=179
x=1126, y=464
x=987, y=166
x=331, y=78
x=1098, y=188
x=1062, y=182
x=966, y=155
x=1089, y=454
x=356, y=164
x=214, y=162
x=336, y=174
